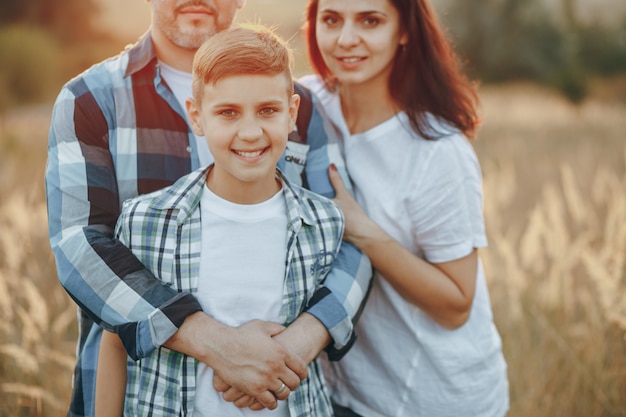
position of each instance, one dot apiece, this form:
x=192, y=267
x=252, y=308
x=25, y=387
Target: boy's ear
x=193, y=113
x=294, y=105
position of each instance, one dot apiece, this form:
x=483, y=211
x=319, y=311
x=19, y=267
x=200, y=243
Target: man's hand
x=255, y=364
x=246, y=358
x=306, y=337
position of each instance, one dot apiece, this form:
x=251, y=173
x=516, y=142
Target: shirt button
x=189, y=149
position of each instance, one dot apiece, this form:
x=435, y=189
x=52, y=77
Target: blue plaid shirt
x=163, y=229
x=117, y=131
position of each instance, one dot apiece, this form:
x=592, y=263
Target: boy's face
x=246, y=120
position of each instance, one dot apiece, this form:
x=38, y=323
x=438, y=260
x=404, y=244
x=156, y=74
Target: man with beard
x=119, y=130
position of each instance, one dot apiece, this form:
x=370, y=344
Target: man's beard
x=191, y=41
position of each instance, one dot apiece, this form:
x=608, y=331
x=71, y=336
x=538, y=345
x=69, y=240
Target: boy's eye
x=267, y=111
x=227, y=113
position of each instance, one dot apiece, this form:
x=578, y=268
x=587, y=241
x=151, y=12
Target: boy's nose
x=250, y=130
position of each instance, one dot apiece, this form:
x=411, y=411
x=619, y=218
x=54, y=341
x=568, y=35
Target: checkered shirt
x=117, y=131
x=164, y=231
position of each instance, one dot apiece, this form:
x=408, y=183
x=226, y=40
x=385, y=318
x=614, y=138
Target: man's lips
x=189, y=9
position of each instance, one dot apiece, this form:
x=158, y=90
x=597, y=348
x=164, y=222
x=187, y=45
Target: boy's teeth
x=249, y=154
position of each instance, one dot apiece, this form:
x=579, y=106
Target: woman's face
x=358, y=39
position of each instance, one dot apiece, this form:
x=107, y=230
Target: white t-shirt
x=180, y=83
x=242, y=271
x=428, y=196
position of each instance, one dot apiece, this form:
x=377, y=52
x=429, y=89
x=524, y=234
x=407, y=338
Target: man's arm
x=338, y=302
x=310, y=151
x=248, y=359
x=100, y=274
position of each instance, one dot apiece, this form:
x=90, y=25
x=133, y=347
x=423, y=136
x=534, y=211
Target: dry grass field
x=555, y=206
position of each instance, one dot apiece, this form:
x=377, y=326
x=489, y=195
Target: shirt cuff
x=142, y=338
x=332, y=314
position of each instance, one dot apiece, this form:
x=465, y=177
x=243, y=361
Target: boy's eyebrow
x=276, y=101
x=272, y=102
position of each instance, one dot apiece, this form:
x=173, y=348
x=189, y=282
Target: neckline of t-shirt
x=167, y=71
x=243, y=212
x=384, y=127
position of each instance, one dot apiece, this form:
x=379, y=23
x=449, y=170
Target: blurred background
x=552, y=76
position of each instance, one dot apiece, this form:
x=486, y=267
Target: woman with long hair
x=391, y=84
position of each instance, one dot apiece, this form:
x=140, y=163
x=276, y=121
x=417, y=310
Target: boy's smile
x=246, y=120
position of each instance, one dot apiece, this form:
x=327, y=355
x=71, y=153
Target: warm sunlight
x=552, y=90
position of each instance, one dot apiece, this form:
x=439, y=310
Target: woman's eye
x=371, y=21
x=329, y=20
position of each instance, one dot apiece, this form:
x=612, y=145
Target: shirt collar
x=140, y=55
x=296, y=208
x=184, y=195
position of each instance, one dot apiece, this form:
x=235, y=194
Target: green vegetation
x=30, y=65
x=504, y=40
x=43, y=43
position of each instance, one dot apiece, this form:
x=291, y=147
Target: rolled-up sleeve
x=99, y=272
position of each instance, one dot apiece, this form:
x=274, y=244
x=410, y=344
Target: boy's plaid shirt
x=117, y=132
x=164, y=231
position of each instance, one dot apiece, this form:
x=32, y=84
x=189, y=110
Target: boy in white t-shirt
x=251, y=246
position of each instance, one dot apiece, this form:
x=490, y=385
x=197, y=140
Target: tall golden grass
x=555, y=207
x=37, y=318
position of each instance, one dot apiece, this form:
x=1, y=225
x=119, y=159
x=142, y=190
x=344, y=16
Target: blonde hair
x=246, y=49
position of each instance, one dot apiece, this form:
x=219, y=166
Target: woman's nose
x=348, y=36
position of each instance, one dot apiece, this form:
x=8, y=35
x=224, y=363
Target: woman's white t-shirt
x=427, y=194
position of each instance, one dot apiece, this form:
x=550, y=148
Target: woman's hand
x=359, y=227
x=443, y=291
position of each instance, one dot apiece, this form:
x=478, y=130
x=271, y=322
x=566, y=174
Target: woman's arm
x=444, y=291
x=110, y=377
